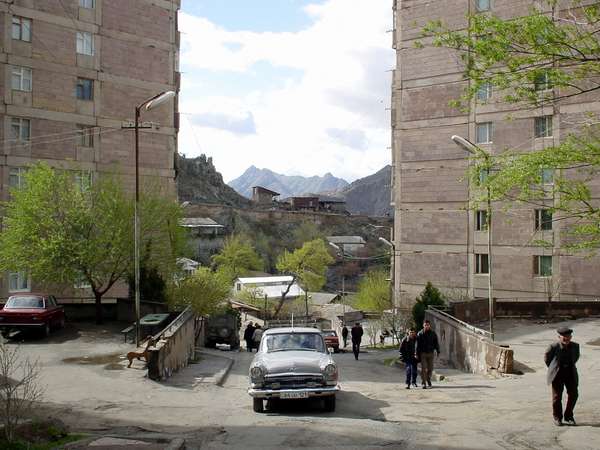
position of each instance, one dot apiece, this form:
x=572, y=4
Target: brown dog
x=144, y=354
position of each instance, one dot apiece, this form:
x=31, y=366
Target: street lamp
x=468, y=146
x=148, y=104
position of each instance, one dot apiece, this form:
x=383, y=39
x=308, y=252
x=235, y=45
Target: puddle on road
x=109, y=358
x=114, y=366
x=594, y=342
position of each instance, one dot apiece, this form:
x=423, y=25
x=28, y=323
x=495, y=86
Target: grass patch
x=390, y=361
x=50, y=445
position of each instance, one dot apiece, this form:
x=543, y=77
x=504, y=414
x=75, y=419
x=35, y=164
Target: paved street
x=373, y=411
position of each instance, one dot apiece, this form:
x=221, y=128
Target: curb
x=221, y=375
x=176, y=444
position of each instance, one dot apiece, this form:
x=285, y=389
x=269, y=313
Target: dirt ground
x=89, y=387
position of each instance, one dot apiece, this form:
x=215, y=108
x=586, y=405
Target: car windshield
x=24, y=302
x=296, y=341
x=329, y=333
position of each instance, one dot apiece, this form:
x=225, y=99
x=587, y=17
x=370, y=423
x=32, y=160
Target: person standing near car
x=248, y=333
x=257, y=336
x=427, y=343
x=560, y=358
x=345, y=335
x=408, y=355
x=357, y=333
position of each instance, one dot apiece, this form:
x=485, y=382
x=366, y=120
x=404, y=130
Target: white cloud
x=343, y=85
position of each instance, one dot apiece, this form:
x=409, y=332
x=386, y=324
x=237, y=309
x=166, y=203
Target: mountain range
x=285, y=185
x=370, y=195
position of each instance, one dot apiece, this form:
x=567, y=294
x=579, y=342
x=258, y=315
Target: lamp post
x=148, y=104
x=468, y=146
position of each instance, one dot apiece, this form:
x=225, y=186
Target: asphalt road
x=88, y=386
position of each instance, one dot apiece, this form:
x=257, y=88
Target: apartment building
x=73, y=73
x=438, y=238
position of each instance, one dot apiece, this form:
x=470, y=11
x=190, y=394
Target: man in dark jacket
x=356, y=333
x=248, y=333
x=345, y=335
x=560, y=358
x=427, y=343
x=408, y=354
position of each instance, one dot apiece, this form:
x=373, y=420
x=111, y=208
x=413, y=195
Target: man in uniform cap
x=560, y=358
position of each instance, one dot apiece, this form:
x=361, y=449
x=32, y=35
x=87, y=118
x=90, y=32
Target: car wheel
x=336, y=349
x=258, y=405
x=5, y=334
x=329, y=403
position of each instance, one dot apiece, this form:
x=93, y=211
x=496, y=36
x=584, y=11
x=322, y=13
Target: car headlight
x=257, y=374
x=330, y=372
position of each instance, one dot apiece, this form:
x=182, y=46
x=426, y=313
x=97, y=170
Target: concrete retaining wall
x=174, y=347
x=465, y=348
x=472, y=311
x=574, y=309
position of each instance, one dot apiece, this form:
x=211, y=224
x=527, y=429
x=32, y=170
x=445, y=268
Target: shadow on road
x=350, y=404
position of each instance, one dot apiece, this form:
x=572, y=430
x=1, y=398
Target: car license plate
x=294, y=395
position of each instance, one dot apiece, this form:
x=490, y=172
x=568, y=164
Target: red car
x=31, y=311
x=331, y=340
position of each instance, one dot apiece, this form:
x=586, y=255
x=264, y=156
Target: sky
x=301, y=87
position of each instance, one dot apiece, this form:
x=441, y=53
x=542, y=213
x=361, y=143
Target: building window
x=19, y=282
x=481, y=223
x=542, y=266
x=484, y=132
x=483, y=5
x=21, y=29
x=85, y=89
x=89, y=4
x=21, y=78
x=547, y=176
x=481, y=263
x=484, y=92
x=541, y=81
x=16, y=178
x=85, y=136
x=543, y=220
x=85, y=43
x=20, y=129
x=543, y=126
x=483, y=175
x=83, y=180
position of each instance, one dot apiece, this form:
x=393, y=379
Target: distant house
x=348, y=244
x=206, y=236
x=332, y=204
x=263, y=196
x=271, y=286
x=189, y=266
x=316, y=202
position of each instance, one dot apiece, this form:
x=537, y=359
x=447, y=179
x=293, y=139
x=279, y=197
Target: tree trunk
x=98, y=307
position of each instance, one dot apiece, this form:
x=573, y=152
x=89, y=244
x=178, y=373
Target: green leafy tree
x=431, y=296
x=60, y=233
x=238, y=257
x=205, y=290
x=374, y=293
x=541, y=59
x=307, y=266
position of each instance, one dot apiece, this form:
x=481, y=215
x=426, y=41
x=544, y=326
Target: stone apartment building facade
x=72, y=74
x=437, y=238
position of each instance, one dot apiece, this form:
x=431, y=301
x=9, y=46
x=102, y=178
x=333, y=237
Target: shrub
x=431, y=296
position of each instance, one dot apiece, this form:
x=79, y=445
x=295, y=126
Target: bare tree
x=19, y=388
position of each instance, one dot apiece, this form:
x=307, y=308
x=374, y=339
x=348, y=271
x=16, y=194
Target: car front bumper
x=21, y=325
x=289, y=393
